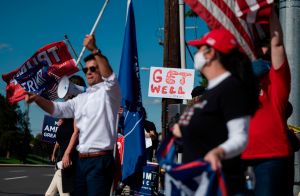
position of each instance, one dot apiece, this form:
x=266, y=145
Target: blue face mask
x=260, y=67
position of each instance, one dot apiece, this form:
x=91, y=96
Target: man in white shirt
x=95, y=114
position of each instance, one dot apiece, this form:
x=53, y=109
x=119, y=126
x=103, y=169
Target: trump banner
x=40, y=73
x=171, y=83
x=50, y=126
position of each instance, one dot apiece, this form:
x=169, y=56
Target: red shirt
x=267, y=132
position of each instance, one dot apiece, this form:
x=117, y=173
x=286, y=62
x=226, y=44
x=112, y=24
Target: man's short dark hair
x=89, y=57
x=92, y=57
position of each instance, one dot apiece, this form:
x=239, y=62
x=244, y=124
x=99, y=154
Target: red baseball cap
x=219, y=39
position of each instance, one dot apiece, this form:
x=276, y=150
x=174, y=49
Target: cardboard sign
x=171, y=83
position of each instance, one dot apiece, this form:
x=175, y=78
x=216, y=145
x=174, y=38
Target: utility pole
x=289, y=12
x=171, y=52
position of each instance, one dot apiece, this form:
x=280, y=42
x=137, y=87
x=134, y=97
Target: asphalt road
x=20, y=180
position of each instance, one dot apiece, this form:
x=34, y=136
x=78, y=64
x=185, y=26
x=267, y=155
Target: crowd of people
x=238, y=120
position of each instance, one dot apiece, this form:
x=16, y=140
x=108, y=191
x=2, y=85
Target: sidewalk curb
x=25, y=165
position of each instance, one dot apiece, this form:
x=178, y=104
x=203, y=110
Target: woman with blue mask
x=216, y=127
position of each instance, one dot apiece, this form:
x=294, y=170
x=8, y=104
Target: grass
x=31, y=159
x=9, y=161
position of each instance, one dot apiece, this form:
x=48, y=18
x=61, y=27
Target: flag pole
x=73, y=50
x=93, y=30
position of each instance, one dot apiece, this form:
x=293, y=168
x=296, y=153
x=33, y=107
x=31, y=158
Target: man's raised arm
x=102, y=62
x=278, y=54
x=43, y=103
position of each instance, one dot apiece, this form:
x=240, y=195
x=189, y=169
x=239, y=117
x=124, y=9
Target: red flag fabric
x=254, y=11
x=59, y=63
x=118, y=160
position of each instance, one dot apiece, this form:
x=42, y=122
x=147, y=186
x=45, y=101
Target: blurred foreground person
x=216, y=127
x=269, y=151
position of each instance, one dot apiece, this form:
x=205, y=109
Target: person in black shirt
x=216, y=127
x=66, y=184
x=150, y=132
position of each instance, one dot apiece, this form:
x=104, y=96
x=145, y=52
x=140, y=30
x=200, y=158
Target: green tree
x=14, y=131
x=42, y=148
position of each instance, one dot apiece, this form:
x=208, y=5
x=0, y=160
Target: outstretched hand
x=214, y=157
x=66, y=162
x=30, y=97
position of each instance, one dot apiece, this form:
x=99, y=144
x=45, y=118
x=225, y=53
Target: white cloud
x=4, y=46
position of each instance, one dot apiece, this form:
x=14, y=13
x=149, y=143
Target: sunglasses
x=92, y=69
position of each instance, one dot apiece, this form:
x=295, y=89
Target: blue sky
x=28, y=25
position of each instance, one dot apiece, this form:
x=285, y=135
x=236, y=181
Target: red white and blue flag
x=194, y=178
x=243, y=18
x=40, y=73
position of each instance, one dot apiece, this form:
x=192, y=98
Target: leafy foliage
x=14, y=131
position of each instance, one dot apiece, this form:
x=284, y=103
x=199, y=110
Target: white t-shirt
x=95, y=113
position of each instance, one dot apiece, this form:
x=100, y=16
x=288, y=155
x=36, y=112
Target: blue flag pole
x=129, y=78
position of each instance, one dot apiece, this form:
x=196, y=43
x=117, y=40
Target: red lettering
x=184, y=75
x=164, y=90
x=172, y=91
x=170, y=77
x=157, y=79
x=180, y=90
x=155, y=88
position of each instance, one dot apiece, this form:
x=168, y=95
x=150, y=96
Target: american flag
x=230, y=14
x=254, y=11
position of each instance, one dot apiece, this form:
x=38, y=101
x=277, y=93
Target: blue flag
x=129, y=78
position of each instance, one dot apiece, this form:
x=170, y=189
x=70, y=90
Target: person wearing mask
x=216, y=127
x=95, y=112
x=269, y=151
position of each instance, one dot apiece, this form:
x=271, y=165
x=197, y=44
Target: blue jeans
x=274, y=176
x=94, y=175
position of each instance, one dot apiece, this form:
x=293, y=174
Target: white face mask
x=199, y=61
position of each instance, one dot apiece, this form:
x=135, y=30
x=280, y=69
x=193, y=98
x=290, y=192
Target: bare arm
x=278, y=54
x=43, y=103
x=54, y=151
x=66, y=162
x=176, y=131
x=103, y=65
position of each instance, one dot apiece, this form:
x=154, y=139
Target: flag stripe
x=236, y=26
x=213, y=13
x=246, y=8
x=168, y=147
